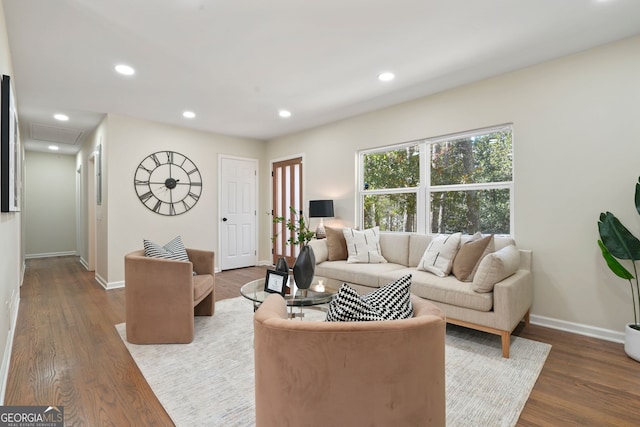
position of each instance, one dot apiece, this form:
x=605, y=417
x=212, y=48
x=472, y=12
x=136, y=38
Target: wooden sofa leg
x=506, y=343
x=527, y=318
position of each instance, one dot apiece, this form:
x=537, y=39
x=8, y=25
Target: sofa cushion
x=363, y=246
x=469, y=256
x=362, y=274
x=174, y=250
x=336, y=244
x=440, y=253
x=395, y=247
x=496, y=267
x=418, y=244
x=390, y=302
x=448, y=290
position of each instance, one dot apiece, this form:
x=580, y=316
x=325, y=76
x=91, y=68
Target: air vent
x=56, y=134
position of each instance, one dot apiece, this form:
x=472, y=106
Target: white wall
x=11, y=245
x=49, y=204
x=576, y=153
x=129, y=141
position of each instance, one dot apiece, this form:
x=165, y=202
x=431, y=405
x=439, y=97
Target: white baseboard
x=265, y=263
x=14, y=304
x=84, y=263
x=50, y=254
x=109, y=285
x=577, y=328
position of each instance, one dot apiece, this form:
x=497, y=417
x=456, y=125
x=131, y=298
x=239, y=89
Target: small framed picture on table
x=276, y=282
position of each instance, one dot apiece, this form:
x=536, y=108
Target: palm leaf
x=638, y=196
x=615, y=266
x=617, y=239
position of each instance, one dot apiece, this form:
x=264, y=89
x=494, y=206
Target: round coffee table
x=321, y=291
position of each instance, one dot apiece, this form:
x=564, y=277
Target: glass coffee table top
x=321, y=291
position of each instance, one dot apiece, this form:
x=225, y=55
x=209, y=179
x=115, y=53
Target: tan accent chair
x=162, y=296
x=352, y=374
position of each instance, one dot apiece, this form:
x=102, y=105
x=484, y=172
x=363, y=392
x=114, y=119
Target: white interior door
x=238, y=216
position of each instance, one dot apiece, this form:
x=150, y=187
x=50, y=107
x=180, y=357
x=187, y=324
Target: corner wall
x=576, y=154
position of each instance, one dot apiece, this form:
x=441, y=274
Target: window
x=461, y=182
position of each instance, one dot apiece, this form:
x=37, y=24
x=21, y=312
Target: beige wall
x=129, y=141
x=576, y=153
x=11, y=244
x=49, y=204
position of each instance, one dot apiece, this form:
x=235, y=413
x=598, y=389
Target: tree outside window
x=467, y=185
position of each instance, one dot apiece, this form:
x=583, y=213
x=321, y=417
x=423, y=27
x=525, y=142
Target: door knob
x=224, y=219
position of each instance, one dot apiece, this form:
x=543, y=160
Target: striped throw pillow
x=174, y=250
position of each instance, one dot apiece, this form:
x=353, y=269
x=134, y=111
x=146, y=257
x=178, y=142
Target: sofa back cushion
x=395, y=247
x=418, y=244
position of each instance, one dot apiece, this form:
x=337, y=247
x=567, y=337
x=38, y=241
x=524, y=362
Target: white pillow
x=438, y=258
x=496, y=267
x=363, y=246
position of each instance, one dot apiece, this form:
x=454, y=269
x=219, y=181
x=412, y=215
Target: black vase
x=304, y=267
x=282, y=265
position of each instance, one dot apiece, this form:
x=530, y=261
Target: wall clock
x=168, y=183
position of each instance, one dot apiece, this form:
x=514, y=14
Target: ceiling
x=236, y=63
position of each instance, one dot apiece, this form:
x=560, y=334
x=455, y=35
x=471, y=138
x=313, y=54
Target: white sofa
x=497, y=312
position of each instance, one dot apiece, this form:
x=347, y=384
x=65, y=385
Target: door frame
x=221, y=157
x=271, y=253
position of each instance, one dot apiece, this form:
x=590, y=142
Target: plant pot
x=304, y=267
x=632, y=342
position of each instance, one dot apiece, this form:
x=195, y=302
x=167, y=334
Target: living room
x=575, y=155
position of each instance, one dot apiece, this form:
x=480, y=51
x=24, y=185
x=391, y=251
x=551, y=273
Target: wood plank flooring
x=67, y=352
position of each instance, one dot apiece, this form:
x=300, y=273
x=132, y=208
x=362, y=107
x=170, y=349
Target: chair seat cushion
x=202, y=286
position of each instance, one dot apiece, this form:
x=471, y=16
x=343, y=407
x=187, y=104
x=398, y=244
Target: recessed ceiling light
x=284, y=113
x=386, y=76
x=61, y=117
x=125, y=70
x=54, y=147
x=189, y=114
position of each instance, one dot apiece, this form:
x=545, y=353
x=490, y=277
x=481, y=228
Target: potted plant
x=618, y=243
x=300, y=234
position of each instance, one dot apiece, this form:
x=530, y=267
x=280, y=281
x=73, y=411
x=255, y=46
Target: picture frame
x=276, y=282
x=10, y=150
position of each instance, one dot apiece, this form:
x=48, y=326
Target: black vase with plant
x=305, y=264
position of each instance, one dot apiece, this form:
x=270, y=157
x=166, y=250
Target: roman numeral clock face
x=168, y=183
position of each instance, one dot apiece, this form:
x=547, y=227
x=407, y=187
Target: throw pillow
x=347, y=306
x=438, y=258
x=174, y=250
x=390, y=302
x=363, y=246
x=469, y=256
x=496, y=267
x=336, y=244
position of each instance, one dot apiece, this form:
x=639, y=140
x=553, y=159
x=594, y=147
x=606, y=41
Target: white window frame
x=424, y=189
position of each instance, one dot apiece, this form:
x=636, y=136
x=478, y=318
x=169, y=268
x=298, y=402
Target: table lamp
x=321, y=209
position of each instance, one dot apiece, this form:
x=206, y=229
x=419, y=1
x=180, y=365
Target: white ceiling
x=235, y=63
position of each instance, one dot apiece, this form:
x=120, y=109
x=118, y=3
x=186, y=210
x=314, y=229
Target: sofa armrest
x=512, y=299
x=320, y=250
x=203, y=261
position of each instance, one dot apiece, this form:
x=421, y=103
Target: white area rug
x=210, y=381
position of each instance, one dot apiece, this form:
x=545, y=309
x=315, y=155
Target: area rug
x=210, y=382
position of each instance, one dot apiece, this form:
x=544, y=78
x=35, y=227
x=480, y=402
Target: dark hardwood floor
x=67, y=352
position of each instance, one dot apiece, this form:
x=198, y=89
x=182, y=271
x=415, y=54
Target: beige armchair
x=162, y=296
x=384, y=374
